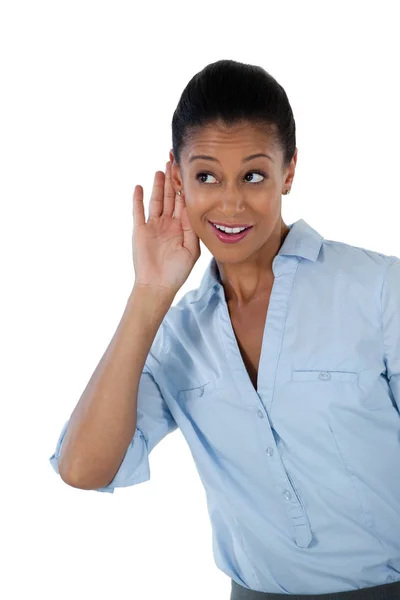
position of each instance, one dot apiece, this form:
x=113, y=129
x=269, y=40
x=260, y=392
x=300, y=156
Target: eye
x=257, y=172
x=202, y=174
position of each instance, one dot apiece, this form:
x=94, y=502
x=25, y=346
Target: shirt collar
x=302, y=240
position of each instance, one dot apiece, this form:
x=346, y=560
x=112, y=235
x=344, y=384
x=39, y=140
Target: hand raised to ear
x=165, y=249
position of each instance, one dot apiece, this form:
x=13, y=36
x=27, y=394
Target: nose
x=232, y=204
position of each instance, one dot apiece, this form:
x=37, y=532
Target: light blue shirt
x=302, y=476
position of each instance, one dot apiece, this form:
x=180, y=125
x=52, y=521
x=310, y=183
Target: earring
x=179, y=192
x=287, y=192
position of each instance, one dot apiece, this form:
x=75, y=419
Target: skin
x=230, y=194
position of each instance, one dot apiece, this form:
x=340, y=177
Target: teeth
x=230, y=229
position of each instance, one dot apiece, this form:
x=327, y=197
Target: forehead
x=243, y=138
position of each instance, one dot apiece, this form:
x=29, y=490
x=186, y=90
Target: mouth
x=230, y=238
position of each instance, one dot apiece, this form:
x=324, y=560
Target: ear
x=294, y=159
x=176, y=178
x=291, y=169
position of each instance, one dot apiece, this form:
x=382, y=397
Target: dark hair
x=231, y=92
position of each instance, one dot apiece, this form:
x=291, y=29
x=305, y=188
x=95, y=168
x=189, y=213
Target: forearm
x=104, y=420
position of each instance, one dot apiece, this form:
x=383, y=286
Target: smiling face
x=232, y=188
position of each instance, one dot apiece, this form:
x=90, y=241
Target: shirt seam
x=164, y=376
x=382, y=323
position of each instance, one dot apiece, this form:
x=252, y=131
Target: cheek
x=198, y=202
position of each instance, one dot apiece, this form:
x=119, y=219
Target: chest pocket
x=206, y=413
x=325, y=376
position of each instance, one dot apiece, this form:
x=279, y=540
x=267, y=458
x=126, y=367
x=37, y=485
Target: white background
x=88, y=90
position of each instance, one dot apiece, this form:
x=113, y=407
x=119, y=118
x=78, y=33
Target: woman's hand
x=166, y=248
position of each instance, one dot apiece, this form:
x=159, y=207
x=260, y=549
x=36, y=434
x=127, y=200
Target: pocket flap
x=324, y=376
x=199, y=391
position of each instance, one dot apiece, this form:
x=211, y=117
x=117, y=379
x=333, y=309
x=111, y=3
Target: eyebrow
x=206, y=157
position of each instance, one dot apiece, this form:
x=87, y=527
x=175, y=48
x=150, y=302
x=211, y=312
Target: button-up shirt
x=302, y=475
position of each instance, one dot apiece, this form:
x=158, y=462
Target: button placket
x=293, y=505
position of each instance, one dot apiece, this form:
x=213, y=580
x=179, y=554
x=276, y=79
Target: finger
x=179, y=204
x=191, y=240
x=169, y=194
x=138, y=208
x=157, y=195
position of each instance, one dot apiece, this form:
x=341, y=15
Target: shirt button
x=270, y=451
x=287, y=494
x=324, y=375
x=260, y=414
x=200, y=392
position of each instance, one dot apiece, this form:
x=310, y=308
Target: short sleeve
x=154, y=422
x=391, y=326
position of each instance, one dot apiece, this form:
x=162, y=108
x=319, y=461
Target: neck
x=250, y=281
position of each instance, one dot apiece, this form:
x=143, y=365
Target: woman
x=282, y=370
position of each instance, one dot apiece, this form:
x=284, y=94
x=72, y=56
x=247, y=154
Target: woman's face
x=231, y=189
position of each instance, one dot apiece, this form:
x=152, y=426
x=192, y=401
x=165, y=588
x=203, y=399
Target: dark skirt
x=388, y=591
